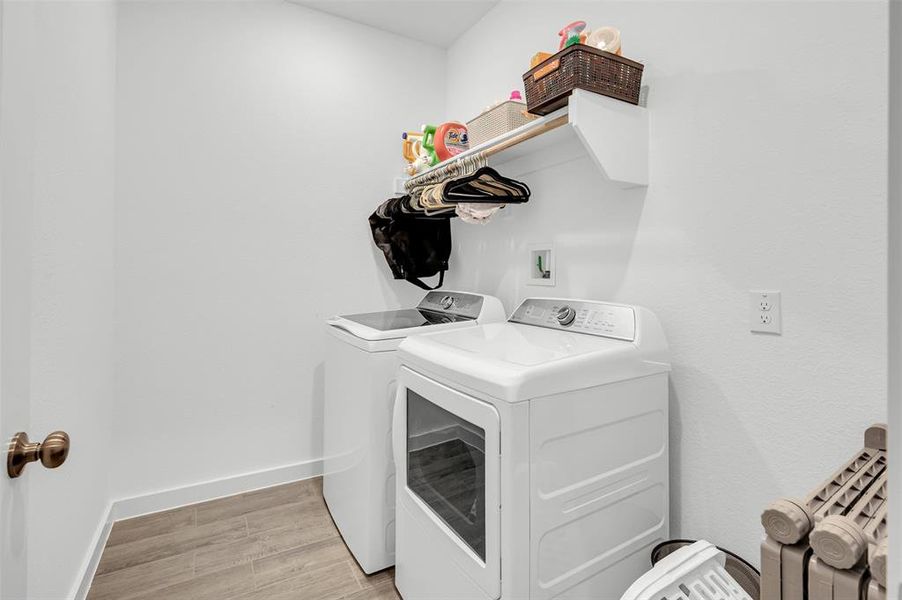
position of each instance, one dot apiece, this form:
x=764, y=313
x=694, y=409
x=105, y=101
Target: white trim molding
x=136, y=506
x=93, y=559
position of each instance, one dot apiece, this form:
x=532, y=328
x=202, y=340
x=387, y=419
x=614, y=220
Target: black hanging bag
x=415, y=244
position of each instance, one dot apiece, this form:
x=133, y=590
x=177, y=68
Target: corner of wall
x=91, y=561
x=895, y=289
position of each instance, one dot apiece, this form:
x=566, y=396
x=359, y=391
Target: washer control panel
x=460, y=304
x=580, y=316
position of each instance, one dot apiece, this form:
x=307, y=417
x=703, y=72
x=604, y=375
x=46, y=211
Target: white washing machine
x=532, y=455
x=361, y=370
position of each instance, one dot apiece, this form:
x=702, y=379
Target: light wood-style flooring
x=274, y=544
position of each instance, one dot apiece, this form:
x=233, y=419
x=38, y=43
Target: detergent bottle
x=410, y=145
x=572, y=34
x=418, y=159
x=445, y=141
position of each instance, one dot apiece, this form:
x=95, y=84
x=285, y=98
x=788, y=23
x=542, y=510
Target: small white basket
x=696, y=571
x=496, y=121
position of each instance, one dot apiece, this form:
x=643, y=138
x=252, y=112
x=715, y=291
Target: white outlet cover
x=765, y=312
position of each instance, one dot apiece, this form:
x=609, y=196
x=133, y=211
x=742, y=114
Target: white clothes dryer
x=532, y=455
x=361, y=370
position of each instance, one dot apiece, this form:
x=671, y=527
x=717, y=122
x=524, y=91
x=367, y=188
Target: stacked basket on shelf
x=498, y=120
x=549, y=84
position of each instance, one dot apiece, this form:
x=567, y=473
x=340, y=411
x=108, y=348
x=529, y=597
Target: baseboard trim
x=136, y=506
x=93, y=558
x=146, y=504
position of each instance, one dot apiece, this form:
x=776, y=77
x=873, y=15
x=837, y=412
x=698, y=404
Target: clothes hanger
x=500, y=180
x=425, y=193
x=486, y=186
x=488, y=180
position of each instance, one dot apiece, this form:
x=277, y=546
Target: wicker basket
x=550, y=83
x=496, y=121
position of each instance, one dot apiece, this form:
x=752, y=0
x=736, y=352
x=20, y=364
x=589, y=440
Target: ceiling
x=437, y=22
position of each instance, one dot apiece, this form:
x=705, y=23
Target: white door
x=18, y=497
x=57, y=285
x=15, y=319
x=448, y=450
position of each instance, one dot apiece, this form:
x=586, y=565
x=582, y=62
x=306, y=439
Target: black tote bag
x=414, y=245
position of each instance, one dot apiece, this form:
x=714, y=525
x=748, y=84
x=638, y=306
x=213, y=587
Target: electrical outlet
x=764, y=312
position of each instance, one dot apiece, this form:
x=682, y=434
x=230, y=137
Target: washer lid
x=395, y=324
x=436, y=311
x=405, y=318
x=516, y=361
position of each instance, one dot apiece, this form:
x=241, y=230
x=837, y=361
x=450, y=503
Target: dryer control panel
x=456, y=303
x=579, y=316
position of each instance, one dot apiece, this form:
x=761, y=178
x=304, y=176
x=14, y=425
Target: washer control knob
x=446, y=302
x=565, y=315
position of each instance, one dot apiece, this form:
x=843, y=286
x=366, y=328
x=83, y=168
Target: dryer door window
x=446, y=468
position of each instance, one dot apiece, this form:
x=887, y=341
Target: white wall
x=895, y=292
x=58, y=170
x=768, y=170
x=254, y=139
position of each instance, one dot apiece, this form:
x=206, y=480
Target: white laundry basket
x=695, y=571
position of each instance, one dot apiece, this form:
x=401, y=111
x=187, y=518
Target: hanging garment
x=414, y=246
x=478, y=214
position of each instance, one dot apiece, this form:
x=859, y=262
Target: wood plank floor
x=275, y=544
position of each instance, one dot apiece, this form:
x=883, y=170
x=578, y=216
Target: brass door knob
x=52, y=452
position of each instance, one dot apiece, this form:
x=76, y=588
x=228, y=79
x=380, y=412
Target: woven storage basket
x=496, y=121
x=550, y=83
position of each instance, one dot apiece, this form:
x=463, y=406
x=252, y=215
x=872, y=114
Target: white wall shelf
x=612, y=133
